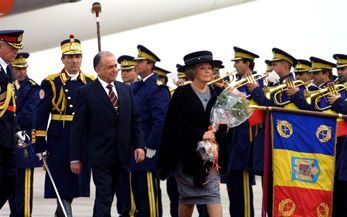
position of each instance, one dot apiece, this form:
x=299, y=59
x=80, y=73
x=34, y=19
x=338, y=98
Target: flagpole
x=296, y=111
x=96, y=8
x=265, y=177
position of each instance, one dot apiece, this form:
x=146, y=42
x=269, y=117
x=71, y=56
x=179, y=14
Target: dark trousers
x=21, y=202
x=340, y=198
x=239, y=185
x=7, y=173
x=105, y=179
x=269, y=193
x=147, y=194
x=171, y=188
x=125, y=205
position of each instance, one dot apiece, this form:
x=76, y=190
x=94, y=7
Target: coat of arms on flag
x=303, y=164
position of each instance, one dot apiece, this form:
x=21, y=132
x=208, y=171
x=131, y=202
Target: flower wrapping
x=231, y=108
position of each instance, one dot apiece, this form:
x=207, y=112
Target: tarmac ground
x=83, y=207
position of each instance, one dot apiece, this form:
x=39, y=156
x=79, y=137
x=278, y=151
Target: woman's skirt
x=209, y=193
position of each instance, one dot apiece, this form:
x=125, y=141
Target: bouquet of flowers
x=232, y=109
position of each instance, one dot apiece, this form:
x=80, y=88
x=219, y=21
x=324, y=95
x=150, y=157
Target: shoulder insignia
x=32, y=82
x=52, y=77
x=91, y=77
x=42, y=94
x=159, y=82
x=86, y=78
x=63, y=77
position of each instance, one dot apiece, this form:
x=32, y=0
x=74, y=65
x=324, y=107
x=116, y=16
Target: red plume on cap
x=72, y=38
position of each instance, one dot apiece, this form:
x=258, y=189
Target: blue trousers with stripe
x=21, y=201
x=239, y=185
x=146, y=191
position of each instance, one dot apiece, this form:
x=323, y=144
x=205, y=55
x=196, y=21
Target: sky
x=302, y=28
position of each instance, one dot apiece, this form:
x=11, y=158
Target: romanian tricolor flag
x=303, y=164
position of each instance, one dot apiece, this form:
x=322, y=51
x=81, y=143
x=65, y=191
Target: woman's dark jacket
x=185, y=125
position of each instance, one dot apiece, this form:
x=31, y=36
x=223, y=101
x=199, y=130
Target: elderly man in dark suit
x=106, y=125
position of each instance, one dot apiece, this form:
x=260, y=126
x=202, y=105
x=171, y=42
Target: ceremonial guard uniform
x=302, y=67
x=258, y=93
x=11, y=42
x=340, y=106
x=320, y=66
x=27, y=98
x=259, y=97
x=58, y=94
x=125, y=199
x=240, y=147
x=152, y=99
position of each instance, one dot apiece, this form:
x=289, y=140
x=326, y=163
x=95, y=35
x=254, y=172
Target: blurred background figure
x=27, y=98
x=127, y=68
x=162, y=74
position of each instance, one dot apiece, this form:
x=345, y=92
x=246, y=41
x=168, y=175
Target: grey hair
x=98, y=56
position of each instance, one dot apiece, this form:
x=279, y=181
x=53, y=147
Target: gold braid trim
x=61, y=100
x=37, y=133
x=8, y=98
x=40, y=133
x=60, y=117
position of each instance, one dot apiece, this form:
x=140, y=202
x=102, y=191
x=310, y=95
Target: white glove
x=150, y=152
x=20, y=135
x=42, y=155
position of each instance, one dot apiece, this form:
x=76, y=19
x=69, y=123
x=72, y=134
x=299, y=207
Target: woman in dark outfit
x=187, y=123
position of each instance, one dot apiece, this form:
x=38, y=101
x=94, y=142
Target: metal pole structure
x=304, y=112
x=96, y=8
x=43, y=157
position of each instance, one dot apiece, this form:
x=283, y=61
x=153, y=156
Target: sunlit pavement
x=83, y=207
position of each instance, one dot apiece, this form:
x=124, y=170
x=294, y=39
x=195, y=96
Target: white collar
x=3, y=64
x=104, y=83
x=144, y=79
x=72, y=76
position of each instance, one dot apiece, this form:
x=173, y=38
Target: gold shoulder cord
x=9, y=97
x=61, y=100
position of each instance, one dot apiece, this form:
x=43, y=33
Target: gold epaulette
x=52, y=77
x=32, y=82
x=84, y=76
x=91, y=77
x=159, y=82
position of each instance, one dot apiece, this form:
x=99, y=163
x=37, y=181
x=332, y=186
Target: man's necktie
x=113, y=97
